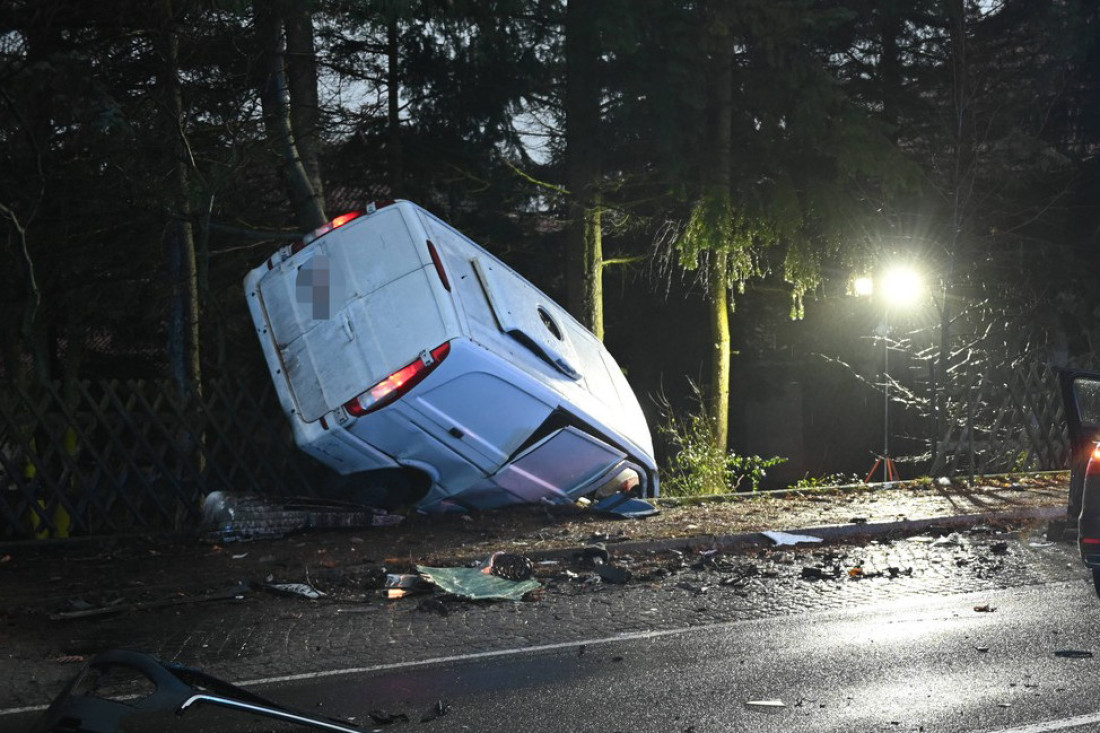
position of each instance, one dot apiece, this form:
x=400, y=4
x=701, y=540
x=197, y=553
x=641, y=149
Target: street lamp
x=900, y=287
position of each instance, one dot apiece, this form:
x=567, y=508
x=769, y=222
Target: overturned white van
x=400, y=349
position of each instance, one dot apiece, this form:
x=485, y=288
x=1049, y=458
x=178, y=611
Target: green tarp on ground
x=475, y=585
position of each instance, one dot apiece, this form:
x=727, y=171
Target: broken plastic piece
x=179, y=689
x=1073, y=654
x=624, y=505
x=786, y=538
x=475, y=585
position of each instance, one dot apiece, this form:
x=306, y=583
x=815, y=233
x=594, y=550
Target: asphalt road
x=912, y=663
x=931, y=665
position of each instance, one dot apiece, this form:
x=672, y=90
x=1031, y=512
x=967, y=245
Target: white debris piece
x=766, y=704
x=786, y=538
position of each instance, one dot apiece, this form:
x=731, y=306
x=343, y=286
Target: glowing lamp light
x=863, y=287
x=902, y=286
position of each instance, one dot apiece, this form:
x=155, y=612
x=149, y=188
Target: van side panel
x=458, y=409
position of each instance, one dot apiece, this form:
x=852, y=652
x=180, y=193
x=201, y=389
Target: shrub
x=697, y=466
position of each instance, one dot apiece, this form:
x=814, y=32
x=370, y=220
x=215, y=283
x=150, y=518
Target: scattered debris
x=951, y=540
x=68, y=659
x=1040, y=544
x=786, y=538
x=985, y=608
x=1073, y=654
x=302, y=590
x=401, y=585
x=229, y=516
x=999, y=548
x=858, y=520
x=86, y=610
x=982, y=649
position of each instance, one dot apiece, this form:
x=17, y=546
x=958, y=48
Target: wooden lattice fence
x=108, y=457
x=1006, y=420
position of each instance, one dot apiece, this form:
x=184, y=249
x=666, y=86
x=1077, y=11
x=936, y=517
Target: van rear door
x=352, y=308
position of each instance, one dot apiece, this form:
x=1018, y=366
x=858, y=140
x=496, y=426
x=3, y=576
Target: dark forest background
x=655, y=165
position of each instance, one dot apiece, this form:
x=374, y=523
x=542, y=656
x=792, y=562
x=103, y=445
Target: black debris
x=613, y=574
x=381, y=717
x=440, y=709
x=1073, y=654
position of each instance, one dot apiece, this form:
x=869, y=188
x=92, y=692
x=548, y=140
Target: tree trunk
x=963, y=155
x=305, y=108
x=308, y=210
x=584, y=245
x=718, y=289
x=183, y=336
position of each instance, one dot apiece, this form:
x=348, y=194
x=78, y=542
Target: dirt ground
x=96, y=576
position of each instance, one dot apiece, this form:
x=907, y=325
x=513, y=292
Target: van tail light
x=325, y=229
x=397, y=384
x=438, y=262
x=1093, y=466
x=1090, y=540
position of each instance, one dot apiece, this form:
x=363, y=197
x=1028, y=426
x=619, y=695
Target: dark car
x=1081, y=398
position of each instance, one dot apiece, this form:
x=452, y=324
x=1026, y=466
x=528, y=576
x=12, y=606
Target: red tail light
x=323, y=230
x=397, y=384
x=1090, y=540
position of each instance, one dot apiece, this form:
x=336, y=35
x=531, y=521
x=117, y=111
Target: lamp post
x=900, y=287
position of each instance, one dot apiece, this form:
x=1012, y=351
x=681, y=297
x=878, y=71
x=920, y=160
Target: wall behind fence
x=94, y=458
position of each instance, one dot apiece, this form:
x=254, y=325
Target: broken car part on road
x=82, y=706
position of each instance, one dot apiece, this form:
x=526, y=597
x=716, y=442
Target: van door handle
x=348, y=330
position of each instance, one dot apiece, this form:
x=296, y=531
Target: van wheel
x=387, y=488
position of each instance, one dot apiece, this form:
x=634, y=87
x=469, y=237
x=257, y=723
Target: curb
x=828, y=533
